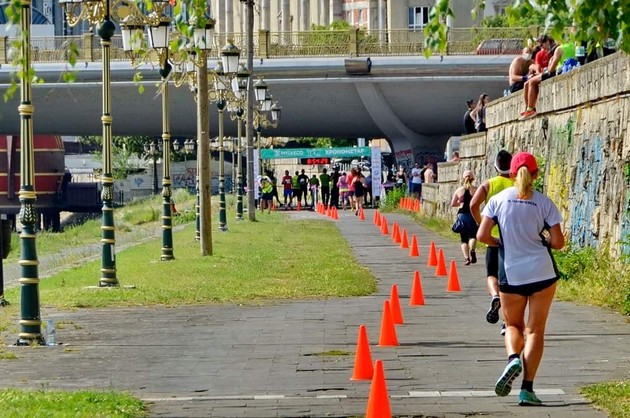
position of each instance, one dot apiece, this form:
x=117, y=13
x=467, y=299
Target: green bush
x=392, y=198
x=594, y=277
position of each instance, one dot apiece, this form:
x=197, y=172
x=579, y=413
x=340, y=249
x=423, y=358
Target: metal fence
x=315, y=43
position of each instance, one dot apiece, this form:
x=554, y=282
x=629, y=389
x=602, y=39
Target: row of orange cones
x=364, y=369
x=409, y=203
x=333, y=213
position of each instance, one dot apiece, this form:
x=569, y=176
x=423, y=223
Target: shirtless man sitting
x=521, y=68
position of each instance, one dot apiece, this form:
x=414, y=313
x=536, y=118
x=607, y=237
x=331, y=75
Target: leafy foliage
x=597, y=22
x=392, y=198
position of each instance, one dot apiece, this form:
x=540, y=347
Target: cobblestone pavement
x=275, y=360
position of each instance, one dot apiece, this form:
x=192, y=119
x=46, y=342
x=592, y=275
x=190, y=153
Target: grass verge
x=613, y=397
x=253, y=262
x=59, y=404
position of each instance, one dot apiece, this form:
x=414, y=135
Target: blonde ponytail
x=467, y=183
x=524, y=183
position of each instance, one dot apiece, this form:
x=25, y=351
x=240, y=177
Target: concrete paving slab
x=266, y=361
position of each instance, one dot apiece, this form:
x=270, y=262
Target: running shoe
x=473, y=256
x=511, y=372
x=528, y=114
x=493, y=313
x=502, y=332
x=527, y=398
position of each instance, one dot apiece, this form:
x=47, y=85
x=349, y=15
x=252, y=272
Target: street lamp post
x=251, y=213
x=221, y=103
x=239, y=165
x=243, y=76
x=97, y=12
x=158, y=29
x=159, y=41
x=153, y=151
x=30, y=320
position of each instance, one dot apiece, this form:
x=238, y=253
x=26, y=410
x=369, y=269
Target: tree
x=124, y=148
x=596, y=22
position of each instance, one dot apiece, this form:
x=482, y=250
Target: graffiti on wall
x=586, y=189
x=185, y=179
x=404, y=158
x=625, y=219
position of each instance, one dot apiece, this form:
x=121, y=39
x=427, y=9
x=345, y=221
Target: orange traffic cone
x=335, y=213
x=440, y=269
x=416, y=206
x=394, y=304
x=432, y=256
x=413, y=248
x=361, y=215
x=388, y=336
x=396, y=233
x=384, y=228
x=377, y=218
x=363, y=368
x=299, y=206
x=404, y=243
x=273, y=206
x=378, y=402
x=417, y=297
x=453, y=279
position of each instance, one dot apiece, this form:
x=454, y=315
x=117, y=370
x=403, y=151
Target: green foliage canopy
x=596, y=22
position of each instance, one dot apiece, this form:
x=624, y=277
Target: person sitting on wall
x=559, y=54
x=520, y=70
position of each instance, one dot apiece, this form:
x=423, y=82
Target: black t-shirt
x=334, y=179
x=303, y=181
x=469, y=124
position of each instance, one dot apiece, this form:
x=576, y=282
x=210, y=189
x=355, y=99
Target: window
x=418, y=17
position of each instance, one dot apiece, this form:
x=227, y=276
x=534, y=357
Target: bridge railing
x=315, y=43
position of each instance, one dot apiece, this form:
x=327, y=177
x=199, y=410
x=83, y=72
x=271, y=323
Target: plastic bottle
x=51, y=337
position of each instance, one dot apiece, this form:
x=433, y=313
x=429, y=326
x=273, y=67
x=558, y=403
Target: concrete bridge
x=414, y=102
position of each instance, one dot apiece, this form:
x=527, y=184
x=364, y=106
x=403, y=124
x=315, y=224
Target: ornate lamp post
x=265, y=105
x=238, y=113
x=153, y=150
x=223, y=75
x=159, y=35
x=188, y=148
x=220, y=85
x=30, y=320
x=97, y=13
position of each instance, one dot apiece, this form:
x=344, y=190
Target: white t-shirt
x=525, y=259
x=416, y=177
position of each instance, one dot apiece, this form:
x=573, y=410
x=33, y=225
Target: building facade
x=302, y=15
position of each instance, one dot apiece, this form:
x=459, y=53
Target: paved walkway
x=265, y=361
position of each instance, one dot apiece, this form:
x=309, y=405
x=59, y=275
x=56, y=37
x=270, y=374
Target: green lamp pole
x=30, y=320
x=167, y=213
x=158, y=29
x=221, y=103
x=239, y=172
x=98, y=13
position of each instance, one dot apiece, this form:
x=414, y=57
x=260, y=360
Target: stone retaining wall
x=581, y=137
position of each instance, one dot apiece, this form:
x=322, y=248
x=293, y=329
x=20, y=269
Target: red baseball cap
x=523, y=159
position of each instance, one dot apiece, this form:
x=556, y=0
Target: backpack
x=569, y=64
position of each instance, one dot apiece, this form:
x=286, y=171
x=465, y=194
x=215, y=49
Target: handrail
x=314, y=43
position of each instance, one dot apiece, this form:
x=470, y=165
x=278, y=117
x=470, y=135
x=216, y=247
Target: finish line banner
x=341, y=152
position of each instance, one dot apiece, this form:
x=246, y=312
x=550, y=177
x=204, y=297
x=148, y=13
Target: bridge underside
x=417, y=104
